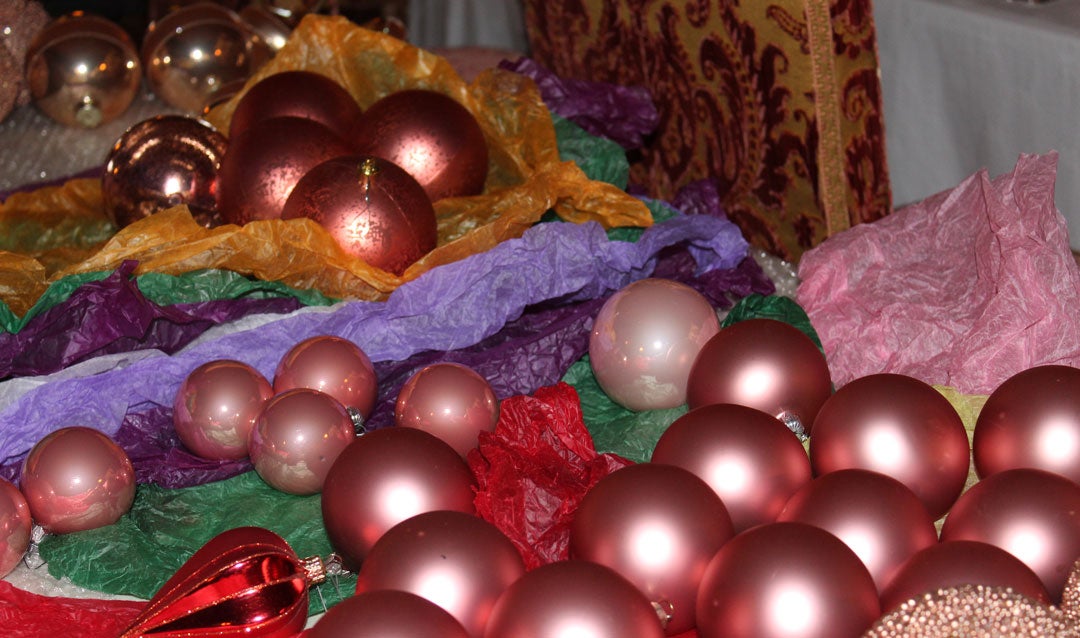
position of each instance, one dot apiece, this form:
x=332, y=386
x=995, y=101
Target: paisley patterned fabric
x=779, y=100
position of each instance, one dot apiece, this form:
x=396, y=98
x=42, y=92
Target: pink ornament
x=297, y=438
x=573, y=598
x=456, y=560
x=644, y=340
x=15, y=525
x=786, y=579
x=216, y=407
x=297, y=93
x=764, y=364
x=749, y=458
x=76, y=479
x=1031, y=420
x=898, y=426
x=1032, y=514
x=386, y=614
x=385, y=477
x=878, y=517
x=451, y=401
x=658, y=526
x=332, y=365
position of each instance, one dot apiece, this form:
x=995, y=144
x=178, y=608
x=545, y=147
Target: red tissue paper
x=27, y=615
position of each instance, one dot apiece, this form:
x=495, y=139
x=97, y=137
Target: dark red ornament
x=263, y=164
x=298, y=94
x=430, y=135
x=372, y=208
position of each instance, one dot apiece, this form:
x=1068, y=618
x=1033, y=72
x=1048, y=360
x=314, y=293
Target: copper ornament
x=298, y=94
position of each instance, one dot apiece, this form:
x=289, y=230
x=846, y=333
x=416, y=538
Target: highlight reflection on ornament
x=451, y=401
x=216, y=408
x=15, y=526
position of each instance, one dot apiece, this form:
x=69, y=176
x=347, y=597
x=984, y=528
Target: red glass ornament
x=303, y=94
x=1031, y=420
x=387, y=614
x=76, y=479
x=644, y=340
x=658, y=526
x=451, y=401
x=430, y=135
x=216, y=408
x=162, y=162
x=262, y=166
x=749, y=458
x=374, y=210
x=764, y=364
x=15, y=527
x=244, y=582
x=332, y=365
x=899, y=426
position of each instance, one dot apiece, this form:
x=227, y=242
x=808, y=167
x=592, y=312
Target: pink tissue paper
x=963, y=289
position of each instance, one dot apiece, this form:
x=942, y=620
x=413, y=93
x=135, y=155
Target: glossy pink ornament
x=764, y=364
x=297, y=93
x=216, y=408
x=644, y=340
x=332, y=365
x=878, y=517
x=297, y=438
x=15, y=526
x=658, y=526
x=749, y=458
x=386, y=614
x=430, y=135
x=451, y=401
x=955, y=563
x=1032, y=514
x=1031, y=420
x=373, y=209
x=75, y=479
x=786, y=579
x=385, y=477
x=899, y=426
x=458, y=561
x=268, y=25
x=573, y=598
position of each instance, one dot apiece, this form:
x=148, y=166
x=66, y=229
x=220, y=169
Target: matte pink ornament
x=386, y=614
x=658, y=526
x=385, y=477
x=76, y=479
x=573, y=598
x=216, y=408
x=645, y=339
x=15, y=527
x=458, y=561
x=785, y=580
x=332, y=365
x=764, y=364
x=297, y=438
x=749, y=458
x=451, y=401
x=899, y=426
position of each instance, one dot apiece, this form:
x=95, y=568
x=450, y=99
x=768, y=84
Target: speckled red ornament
x=430, y=135
x=372, y=208
x=332, y=365
x=216, y=408
x=298, y=94
x=262, y=166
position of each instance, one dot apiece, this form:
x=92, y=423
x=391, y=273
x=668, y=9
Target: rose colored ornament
x=430, y=135
x=216, y=408
x=573, y=598
x=76, y=479
x=83, y=70
x=764, y=364
x=786, y=579
x=15, y=526
x=1032, y=514
x=332, y=365
x=374, y=210
x=899, y=426
x=749, y=458
x=163, y=162
x=644, y=340
x=954, y=563
x=385, y=477
x=1031, y=420
x=263, y=164
x=303, y=94
x=297, y=438
x=658, y=526
x=458, y=561
x=451, y=401
x=878, y=517
x=386, y=614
